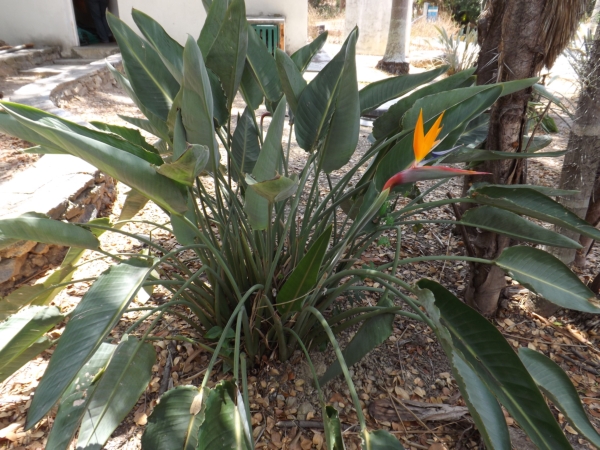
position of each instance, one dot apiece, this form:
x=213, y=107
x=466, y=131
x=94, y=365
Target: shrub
x=272, y=250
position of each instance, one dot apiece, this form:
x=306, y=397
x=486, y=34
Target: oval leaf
x=20, y=337
x=91, y=321
x=515, y=226
x=342, y=136
x=496, y=363
x=74, y=402
x=548, y=276
x=48, y=231
x=557, y=386
x=222, y=427
x=483, y=406
x=380, y=440
x=534, y=204
x=171, y=425
x=376, y=94
x=124, y=380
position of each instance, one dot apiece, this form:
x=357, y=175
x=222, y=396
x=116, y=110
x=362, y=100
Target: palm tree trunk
x=395, y=60
x=592, y=217
x=581, y=164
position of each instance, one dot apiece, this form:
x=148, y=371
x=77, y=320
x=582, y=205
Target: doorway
x=87, y=27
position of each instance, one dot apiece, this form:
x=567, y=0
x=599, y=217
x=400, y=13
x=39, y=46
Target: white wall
x=373, y=20
x=296, y=18
x=43, y=22
x=183, y=17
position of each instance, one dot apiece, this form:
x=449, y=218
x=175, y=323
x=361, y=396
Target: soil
x=410, y=365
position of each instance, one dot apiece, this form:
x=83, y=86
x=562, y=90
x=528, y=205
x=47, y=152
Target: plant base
x=392, y=67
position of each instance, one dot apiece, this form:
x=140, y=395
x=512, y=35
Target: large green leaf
x=227, y=55
x=154, y=124
x=292, y=81
x=129, y=134
x=152, y=82
x=303, y=56
x=317, y=101
x=380, y=440
x=21, y=332
x=91, y=321
x=475, y=155
x=483, y=406
x=171, y=425
x=76, y=398
x=534, y=204
x=44, y=292
x=303, y=279
x=333, y=429
x=537, y=143
x=188, y=166
x=169, y=50
x=213, y=23
x=475, y=132
x=196, y=102
x=125, y=167
x=12, y=127
x=376, y=94
x=256, y=207
x=124, y=380
x=222, y=427
x=557, y=386
x=494, y=360
x=33, y=227
x=511, y=224
x=251, y=90
x=371, y=333
x=245, y=146
x=110, y=138
x=342, y=136
x=220, y=110
x=264, y=67
x=391, y=120
x=549, y=277
x=276, y=190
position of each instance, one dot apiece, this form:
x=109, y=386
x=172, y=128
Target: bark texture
x=510, y=33
x=580, y=168
x=395, y=59
x=592, y=217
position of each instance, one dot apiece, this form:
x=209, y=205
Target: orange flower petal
x=423, y=144
x=419, y=145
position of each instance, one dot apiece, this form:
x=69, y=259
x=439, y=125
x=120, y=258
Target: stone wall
x=24, y=260
x=11, y=63
x=98, y=80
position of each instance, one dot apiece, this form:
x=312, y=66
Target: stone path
x=62, y=186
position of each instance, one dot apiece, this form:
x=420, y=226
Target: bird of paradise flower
x=423, y=144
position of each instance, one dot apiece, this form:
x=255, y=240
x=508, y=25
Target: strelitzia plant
x=273, y=250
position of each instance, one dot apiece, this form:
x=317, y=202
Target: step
x=95, y=51
x=43, y=71
x=73, y=61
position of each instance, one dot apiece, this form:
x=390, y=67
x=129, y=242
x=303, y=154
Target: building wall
x=183, y=17
x=42, y=22
x=373, y=20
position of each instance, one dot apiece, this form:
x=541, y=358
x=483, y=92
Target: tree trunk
x=592, y=217
x=510, y=50
x=581, y=164
x=395, y=60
